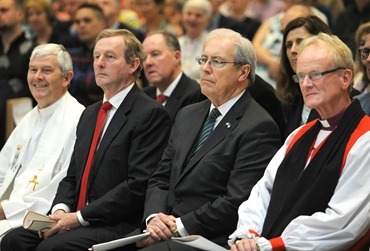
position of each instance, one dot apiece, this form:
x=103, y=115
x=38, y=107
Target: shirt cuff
x=277, y=244
x=263, y=244
x=61, y=206
x=149, y=218
x=240, y=234
x=81, y=219
x=180, y=228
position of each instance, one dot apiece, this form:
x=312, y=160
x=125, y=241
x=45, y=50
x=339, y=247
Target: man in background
x=15, y=51
x=89, y=21
x=111, y=9
x=162, y=66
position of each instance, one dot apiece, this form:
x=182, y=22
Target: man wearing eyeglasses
x=218, y=149
x=315, y=193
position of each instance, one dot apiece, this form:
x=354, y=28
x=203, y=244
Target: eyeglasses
x=213, y=62
x=313, y=76
x=364, y=53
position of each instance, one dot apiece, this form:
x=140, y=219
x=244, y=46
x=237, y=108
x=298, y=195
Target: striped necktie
x=207, y=129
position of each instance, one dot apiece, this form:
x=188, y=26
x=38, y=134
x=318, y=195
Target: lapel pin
x=228, y=125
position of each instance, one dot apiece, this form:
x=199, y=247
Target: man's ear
x=244, y=73
x=134, y=65
x=347, y=78
x=68, y=78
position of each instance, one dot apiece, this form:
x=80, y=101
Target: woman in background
x=196, y=16
x=45, y=28
x=289, y=93
x=362, y=79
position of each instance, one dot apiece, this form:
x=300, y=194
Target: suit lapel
x=151, y=91
x=173, y=101
x=229, y=122
x=115, y=126
x=192, y=132
x=83, y=155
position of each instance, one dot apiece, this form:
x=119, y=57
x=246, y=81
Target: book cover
x=37, y=222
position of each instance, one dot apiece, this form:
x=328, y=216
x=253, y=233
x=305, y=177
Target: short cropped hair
x=134, y=49
x=170, y=39
x=340, y=53
x=244, y=52
x=64, y=60
x=99, y=13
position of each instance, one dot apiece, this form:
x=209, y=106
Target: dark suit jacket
x=238, y=26
x=186, y=92
x=264, y=94
x=127, y=156
x=207, y=190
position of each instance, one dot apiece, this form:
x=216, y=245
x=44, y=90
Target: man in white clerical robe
x=37, y=154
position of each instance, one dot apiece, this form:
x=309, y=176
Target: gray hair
x=244, y=52
x=203, y=5
x=340, y=54
x=64, y=60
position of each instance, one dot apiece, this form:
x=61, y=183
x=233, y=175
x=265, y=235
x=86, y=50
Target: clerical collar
x=331, y=123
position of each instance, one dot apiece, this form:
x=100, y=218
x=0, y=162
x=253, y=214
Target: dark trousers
x=168, y=246
x=78, y=239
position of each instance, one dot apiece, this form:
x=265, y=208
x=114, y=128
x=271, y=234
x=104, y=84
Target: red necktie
x=97, y=133
x=161, y=98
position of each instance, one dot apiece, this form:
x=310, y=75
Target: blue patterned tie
x=207, y=129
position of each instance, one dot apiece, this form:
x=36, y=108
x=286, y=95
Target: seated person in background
x=152, y=12
x=37, y=154
x=15, y=51
x=102, y=196
x=315, y=193
x=363, y=61
x=356, y=13
x=219, y=20
x=41, y=18
x=264, y=94
x=66, y=26
x=268, y=41
x=195, y=19
x=111, y=9
x=89, y=21
x=172, y=12
x=205, y=174
x=362, y=78
x=289, y=92
x=162, y=66
x=264, y=9
x=237, y=9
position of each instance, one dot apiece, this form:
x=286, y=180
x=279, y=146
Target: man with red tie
x=117, y=149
